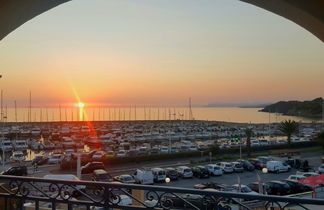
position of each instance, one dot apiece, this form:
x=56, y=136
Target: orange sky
x=151, y=52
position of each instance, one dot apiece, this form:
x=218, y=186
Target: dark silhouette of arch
x=307, y=13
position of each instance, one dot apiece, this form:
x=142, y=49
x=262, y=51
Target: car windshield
x=172, y=172
x=104, y=176
x=161, y=172
x=187, y=170
x=228, y=165
x=127, y=178
x=245, y=190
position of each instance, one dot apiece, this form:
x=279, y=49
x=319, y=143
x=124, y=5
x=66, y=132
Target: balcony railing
x=37, y=193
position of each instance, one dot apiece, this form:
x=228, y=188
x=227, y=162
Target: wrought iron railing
x=37, y=193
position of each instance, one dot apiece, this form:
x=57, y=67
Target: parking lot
x=246, y=177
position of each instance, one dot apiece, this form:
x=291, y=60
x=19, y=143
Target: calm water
x=228, y=114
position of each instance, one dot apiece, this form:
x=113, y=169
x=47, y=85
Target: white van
x=159, y=174
x=144, y=176
x=277, y=166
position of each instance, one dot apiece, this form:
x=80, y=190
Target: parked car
x=257, y=164
x=132, y=153
x=159, y=174
x=200, y=172
x=211, y=185
x=101, y=175
x=184, y=172
x=226, y=167
x=98, y=155
x=110, y=154
x=172, y=173
x=321, y=169
x=277, y=188
x=91, y=166
x=243, y=188
x=16, y=171
x=55, y=159
x=125, y=178
x=277, y=166
x=121, y=153
x=142, y=176
x=297, y=187
x=214, y=170
x=265, y=159
x=307, y=174
x=196, y=200
x=294, y=163
x=247, y=165
x=255, y=186
x=40, y=160
x=296, y=177
x=237, y=167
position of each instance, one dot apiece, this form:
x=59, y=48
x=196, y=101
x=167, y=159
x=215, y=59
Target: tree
x=248, y=133
x=288, y=127
x=320, y=139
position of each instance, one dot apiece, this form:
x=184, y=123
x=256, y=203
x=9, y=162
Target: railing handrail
x=166, y=189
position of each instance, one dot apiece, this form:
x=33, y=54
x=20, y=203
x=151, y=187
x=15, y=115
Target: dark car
x=90, y=167
x=257, y=163
x=200, y=172
x=293, y=163
x=297, y=187
x=212, y=185
x=172, y=173
x=278, y=188
x=132, y=153
x=255, y=187
x=16, y=171
x=247, y=165
x=185, y=199
x=101, y=175
x=40, y=160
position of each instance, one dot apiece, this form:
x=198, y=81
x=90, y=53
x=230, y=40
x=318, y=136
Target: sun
x=80, y=105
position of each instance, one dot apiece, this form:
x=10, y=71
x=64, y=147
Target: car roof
x=61, y=176
x=100, y=171
x=276, y=181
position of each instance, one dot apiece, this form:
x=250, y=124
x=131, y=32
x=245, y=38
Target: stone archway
x=306, y=13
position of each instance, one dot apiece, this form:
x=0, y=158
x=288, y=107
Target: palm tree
x=288, y=127
x=248, y=133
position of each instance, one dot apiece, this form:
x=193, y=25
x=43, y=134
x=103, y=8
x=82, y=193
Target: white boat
x=36, y=131
x=35, y=145
x=18, y=156
x=20, y=144
x=68, y=142
x=6, y=145
x=85, y=129
x=49, y=145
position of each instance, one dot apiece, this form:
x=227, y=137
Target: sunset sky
x=160, y=52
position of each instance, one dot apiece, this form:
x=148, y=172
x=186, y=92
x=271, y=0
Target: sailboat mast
x=30, y=106
x=1, y=106
x=60, y=112
x=16, y=119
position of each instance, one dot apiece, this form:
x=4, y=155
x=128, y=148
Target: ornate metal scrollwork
x=115, y=195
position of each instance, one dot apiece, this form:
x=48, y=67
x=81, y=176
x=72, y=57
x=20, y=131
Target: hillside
x=311, y=109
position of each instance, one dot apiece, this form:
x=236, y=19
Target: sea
x=131, y=113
